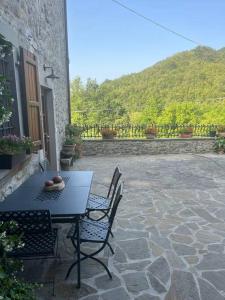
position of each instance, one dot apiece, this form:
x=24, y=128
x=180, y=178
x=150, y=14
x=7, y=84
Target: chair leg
x=85, y=256
x=72, y=266
x=101, y=263
x=110, y=247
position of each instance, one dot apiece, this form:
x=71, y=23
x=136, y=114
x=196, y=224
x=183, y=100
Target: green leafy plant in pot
x=221, y=131
x=13, y=150
x=150, y=132
x=186, y=132
x=108, y=133
x=69, y=145
x=73, y=134
x=219, y=146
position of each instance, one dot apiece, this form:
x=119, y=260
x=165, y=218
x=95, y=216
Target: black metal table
x=68, y=204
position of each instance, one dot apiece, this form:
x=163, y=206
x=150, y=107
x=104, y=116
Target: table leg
x=78, y=252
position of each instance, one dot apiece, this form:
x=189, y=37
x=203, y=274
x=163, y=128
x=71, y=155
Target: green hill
x=184, y=88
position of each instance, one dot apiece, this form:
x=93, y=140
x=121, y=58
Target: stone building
x=37, y=30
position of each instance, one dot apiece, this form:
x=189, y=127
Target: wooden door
x=31, y=98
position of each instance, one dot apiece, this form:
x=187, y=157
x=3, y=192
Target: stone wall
x=10, y=180
x=142, y=147
x=40, y=27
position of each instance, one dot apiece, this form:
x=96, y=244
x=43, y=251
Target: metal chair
x=37, y=234
x=39, y=239
x=44, y=165
x=94, y=231
x=103, y=204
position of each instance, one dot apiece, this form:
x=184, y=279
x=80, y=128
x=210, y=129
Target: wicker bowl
x=55, y=187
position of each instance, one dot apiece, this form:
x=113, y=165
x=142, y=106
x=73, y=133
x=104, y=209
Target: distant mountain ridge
x=188, y=87
x=197, y=74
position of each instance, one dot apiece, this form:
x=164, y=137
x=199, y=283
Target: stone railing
x=99, y=147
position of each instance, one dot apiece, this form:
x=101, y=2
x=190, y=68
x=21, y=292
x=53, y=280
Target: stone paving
x=169, y=232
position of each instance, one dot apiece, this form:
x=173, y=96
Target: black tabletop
x=71, y=201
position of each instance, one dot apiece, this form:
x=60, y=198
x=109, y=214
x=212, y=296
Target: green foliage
x=179, y=90
x=220, y=145
x=69, y=140
x=12, y=144
x=186, y=130
x=11, y=288
x=73, y=137
x=5, y=95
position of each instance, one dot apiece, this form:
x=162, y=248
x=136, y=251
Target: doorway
x=45, y=123
x=49, y=127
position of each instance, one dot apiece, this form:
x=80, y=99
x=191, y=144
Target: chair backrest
x=118, y=197
x=28, y=221
x=44, y=165
x=114, y=183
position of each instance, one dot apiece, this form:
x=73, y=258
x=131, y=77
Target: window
x=7, y=74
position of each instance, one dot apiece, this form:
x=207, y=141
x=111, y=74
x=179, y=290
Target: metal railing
x=138, y=131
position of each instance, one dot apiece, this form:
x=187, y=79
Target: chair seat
x=38, y=244
x=96, y=202
x=93, y=231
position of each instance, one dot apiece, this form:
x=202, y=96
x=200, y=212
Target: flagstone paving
x=169, y=233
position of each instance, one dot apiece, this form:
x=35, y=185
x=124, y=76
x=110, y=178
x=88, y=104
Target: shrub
x=69, y=141
x=220, y=145
x=151, y=130
x=107, y=132
x=73, y=130
x=12, y=288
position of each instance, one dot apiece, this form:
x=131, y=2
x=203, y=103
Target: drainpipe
x=67, y=60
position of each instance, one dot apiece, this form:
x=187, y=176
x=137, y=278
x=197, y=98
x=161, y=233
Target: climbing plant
x=6, y=99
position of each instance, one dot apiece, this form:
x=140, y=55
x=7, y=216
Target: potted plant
x=220, y=145
x=13, y=150
x=212, y=133
x=150, y=132
x=221, y=131
x=69, y=145
x=108, y=133
x=186, y=132
x=73, y=142
x=73, y=130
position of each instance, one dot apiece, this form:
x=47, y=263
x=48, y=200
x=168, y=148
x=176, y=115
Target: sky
x=106, y=41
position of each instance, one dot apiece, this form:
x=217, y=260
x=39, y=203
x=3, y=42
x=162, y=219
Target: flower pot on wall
x=108, y=137
x=9, y=161
x=221, y=134
x=212, y=133
x=185, y=135
x=150, y=136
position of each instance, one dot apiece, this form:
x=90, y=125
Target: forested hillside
x=188, y=87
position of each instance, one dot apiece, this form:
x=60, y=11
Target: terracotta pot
x=150, y=136
x=108, y=137
x=69, y=149
x=185, y=135
x=221, y=134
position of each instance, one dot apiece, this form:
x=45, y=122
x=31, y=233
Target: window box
x=8, y=161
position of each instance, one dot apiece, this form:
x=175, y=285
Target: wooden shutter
x=31, y=97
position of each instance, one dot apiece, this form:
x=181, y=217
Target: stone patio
x=169, y=232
